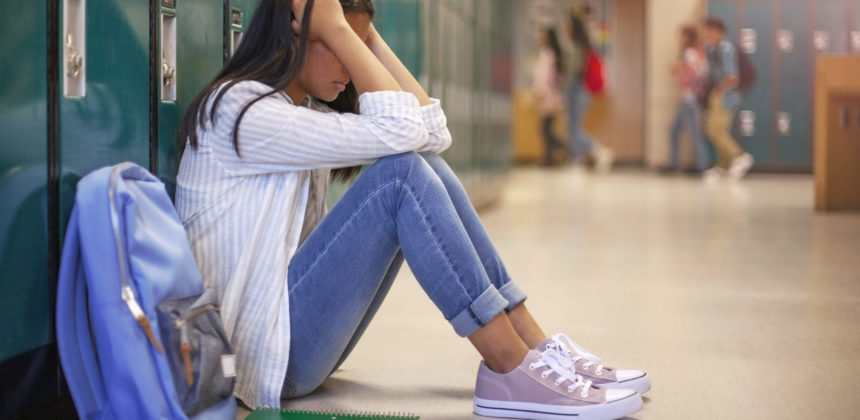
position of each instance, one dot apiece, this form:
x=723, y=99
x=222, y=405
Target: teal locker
x=756, y=138
x=792, y=119
x=104, y=108
x=727, y=12
x=191, y=47
x=830, y=27
x=399, y=22
x=24, y=302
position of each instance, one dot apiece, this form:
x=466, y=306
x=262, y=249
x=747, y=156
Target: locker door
x=399, y=22
x=757, y=107
x=24, y=301
x=191, y=43
x=104, y=108
x=727, y=12
x=829, y=30
x=792, y=118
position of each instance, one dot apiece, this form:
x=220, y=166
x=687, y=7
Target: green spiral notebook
x=322, y=415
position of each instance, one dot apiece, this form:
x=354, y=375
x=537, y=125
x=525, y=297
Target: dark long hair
x=579, y=34
x=270, y=53
x=552, y=43
x=690, y=37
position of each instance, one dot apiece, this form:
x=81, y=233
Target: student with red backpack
x=584, y=76
x=723, y=102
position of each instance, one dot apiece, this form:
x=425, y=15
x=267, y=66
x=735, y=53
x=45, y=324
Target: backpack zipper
x=127, y=293
x=185, y=344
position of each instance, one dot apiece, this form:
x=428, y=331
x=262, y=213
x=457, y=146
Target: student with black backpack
x=723, y=103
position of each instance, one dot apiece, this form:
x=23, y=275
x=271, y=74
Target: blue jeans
x=409, y=205
x=688, y=114
x=579, y=144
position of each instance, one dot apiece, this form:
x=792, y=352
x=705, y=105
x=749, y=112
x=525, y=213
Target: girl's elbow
x=413, y=138
x=442, y=141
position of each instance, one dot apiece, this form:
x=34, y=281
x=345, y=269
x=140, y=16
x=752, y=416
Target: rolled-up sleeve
x=276, y=135
x=439, y=138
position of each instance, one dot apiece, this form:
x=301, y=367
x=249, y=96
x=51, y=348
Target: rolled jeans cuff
x=513, y=294
x=478, y=313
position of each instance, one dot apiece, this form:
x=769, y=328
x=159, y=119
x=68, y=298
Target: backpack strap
x=127, y=291
x=74, y=340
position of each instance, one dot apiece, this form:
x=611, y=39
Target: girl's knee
x=408, y=167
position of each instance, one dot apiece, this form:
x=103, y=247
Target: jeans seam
x=451, y=267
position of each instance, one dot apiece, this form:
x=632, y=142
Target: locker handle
x=168, y=72
x=74, y=49
x=167, y=38
x=844, y=117
x=76, y=61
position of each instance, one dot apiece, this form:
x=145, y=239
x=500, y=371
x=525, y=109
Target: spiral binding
x=341, y=414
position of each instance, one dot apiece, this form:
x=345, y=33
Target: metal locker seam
x=53, y=156
x=153, y=85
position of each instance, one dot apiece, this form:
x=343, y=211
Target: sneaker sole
x=521, y=410
x=641, y=384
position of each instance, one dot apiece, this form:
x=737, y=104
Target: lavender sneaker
x=590, y=367
x=544, y=386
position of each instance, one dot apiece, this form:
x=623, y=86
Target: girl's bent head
x=272, y=54
x=322, y=75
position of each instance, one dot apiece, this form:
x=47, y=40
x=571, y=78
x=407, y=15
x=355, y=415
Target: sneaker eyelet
x=532, y=366
x=544, y=375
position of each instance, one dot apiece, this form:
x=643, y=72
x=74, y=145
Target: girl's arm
x=329, y=25
x=431, y=111
x=392, y=63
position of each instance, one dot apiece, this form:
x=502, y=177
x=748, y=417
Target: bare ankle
x=505, y=363
x=499, y=344
x=526, y=326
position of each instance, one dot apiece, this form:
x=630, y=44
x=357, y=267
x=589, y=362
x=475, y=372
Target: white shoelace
x=561, y=365
x=576, y=353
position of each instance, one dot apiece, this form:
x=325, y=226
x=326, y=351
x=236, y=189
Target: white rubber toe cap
x=626, y=375
x=615, y=394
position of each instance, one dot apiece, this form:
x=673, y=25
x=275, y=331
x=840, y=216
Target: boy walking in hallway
x=723, y=103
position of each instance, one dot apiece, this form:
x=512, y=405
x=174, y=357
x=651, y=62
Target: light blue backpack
x=139, y=335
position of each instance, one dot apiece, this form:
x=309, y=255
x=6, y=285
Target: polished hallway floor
x=738, y=299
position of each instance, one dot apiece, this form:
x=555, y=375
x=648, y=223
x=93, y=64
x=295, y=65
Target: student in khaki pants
x=723, y=103
x=718, y=125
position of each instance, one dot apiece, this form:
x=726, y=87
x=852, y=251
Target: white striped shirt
x=244, y=213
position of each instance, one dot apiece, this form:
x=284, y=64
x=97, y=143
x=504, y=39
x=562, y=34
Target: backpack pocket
x=197, y=350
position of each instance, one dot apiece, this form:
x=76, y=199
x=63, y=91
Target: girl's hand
x=327, y=19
